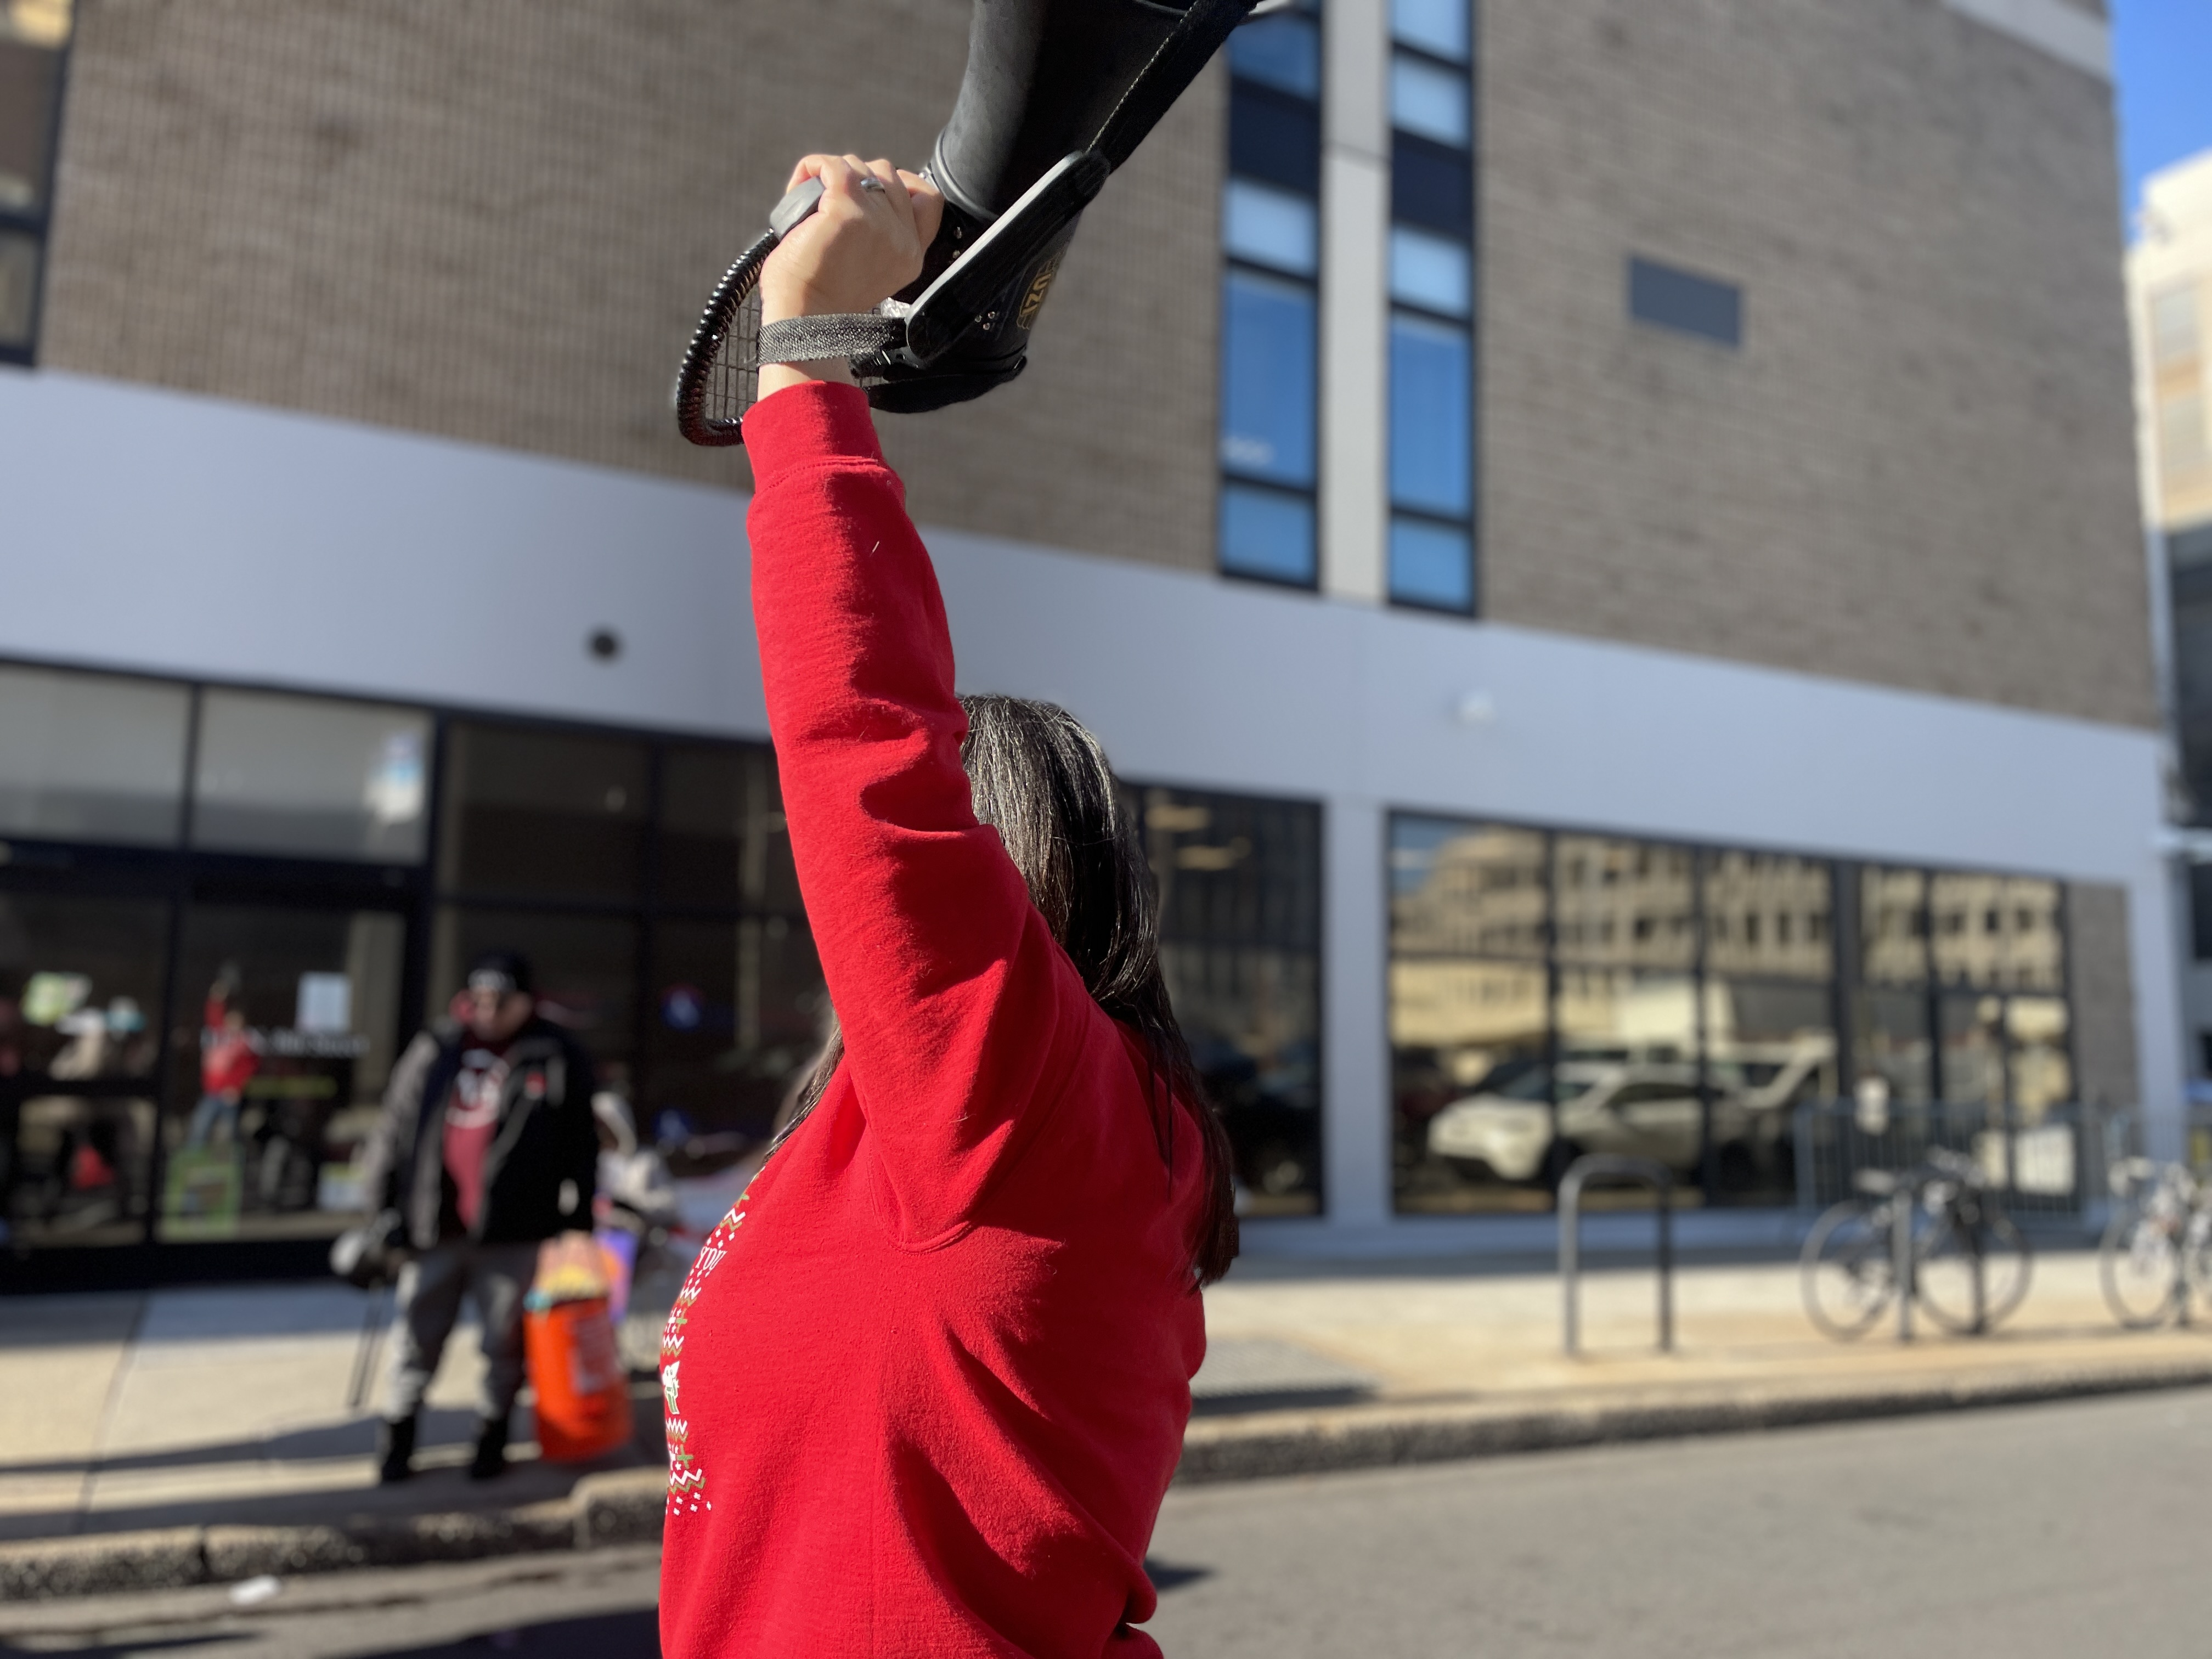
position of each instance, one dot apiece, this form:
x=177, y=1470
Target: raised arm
x=954, y=1002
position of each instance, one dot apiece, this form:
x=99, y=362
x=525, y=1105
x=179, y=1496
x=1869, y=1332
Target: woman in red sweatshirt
x=928, y=1380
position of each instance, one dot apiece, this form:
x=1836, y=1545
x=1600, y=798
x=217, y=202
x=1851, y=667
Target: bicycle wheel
x=1845, y=1271
x=2139, y=1264
x=1947, y=1258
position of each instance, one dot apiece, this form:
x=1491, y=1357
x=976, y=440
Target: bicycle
x=1968, y=1263
x=2157, y=1253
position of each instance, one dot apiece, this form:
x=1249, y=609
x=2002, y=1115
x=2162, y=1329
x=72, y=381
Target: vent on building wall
x=1665, y=297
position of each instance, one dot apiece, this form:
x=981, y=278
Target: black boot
x=395, y=1450
x=491, y=1450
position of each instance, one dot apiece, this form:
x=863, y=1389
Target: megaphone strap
x=816, y=339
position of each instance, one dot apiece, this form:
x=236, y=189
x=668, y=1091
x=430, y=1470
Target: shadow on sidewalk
x=633, y=1635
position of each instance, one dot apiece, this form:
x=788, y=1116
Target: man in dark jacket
x=486, y=1148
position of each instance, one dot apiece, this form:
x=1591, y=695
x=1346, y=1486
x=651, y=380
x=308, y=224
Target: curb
x=1385, y=1436
x=626, y=1506
x=621, y=1507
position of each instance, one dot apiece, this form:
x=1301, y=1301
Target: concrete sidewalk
x=186, y=1435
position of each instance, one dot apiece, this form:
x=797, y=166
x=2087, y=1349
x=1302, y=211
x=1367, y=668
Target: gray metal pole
x=1570, y=1227
x=1900, y=1254
x=1665, y=1194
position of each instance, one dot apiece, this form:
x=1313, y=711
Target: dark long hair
x=1043, y=781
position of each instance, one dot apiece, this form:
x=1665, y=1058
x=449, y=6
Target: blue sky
x=2162, y=51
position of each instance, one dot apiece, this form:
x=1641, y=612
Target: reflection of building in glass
x=1680, y=1003
x=2170, y=293
x=1670, y=481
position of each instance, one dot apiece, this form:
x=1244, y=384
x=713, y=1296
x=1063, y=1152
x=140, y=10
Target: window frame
x=36, y=223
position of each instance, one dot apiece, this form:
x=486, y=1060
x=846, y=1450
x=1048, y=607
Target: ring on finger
x=873, y=183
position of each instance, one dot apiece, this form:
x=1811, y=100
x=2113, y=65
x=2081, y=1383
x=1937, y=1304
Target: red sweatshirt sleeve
x=957, y=1007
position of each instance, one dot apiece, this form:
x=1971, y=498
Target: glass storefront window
x=287, y=1024
x=1624, y=903
x=723, y=840
x=1770, y=1047
x=1973, y=1051
x=91, y=757
x=1239, y=883
x=311, y=777
x=75, y=1171
x=1892, y=926
x=2042, y=1074
x=1999, y=932
x=737, y=1013
x=80, y=985
x=1768, y=915
x=586, y=966
x=1892, y=1043
x=557, y=813
x=1470, y=1016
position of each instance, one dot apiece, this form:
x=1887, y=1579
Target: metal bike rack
x=1601, y=1165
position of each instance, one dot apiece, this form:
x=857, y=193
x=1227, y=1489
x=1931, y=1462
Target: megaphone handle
x=801, y=200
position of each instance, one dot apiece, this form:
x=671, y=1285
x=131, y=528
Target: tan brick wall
x=1919, y=470
x=496, y=221
x=2102, y=989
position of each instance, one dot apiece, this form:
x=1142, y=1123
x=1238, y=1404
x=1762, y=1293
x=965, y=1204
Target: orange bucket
x=583, y=1394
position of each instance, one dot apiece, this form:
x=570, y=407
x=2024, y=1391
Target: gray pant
x=495, y=1276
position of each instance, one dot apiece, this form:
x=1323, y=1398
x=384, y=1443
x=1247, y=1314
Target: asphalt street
x=2043, y=1531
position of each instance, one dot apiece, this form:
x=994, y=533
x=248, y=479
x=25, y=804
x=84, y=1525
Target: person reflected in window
x=486, y=1147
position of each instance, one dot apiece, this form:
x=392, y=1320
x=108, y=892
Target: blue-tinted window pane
x=1429, y=100
x=1429, y=565
x=1669, y=298
x=1433, y=272
x=1274, y=138
x=1279, y=51
x=1432, y=434
x=1266, y=533
x=1269, y=227
x=1267, y=379
x=1436, y=26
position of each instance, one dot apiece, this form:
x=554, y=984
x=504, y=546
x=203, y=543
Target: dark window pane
x=1268, y=533
x=1239, y=883
x=532, y=812
x=1431, y=185
x=2199, y=912
x=30, y=82
x=1283, y=53
x=737, y=1013
x=1431, y=564
x=1432, y=430
x=91, y=757
x=1624, y=903
x=1768, y=913
x=586, y=968
x=1267, y=379
x=80, y=984
x=722, y=837
x=287, y=1022
x=19, y=289
x=1689, y=304
x=1274, y=138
